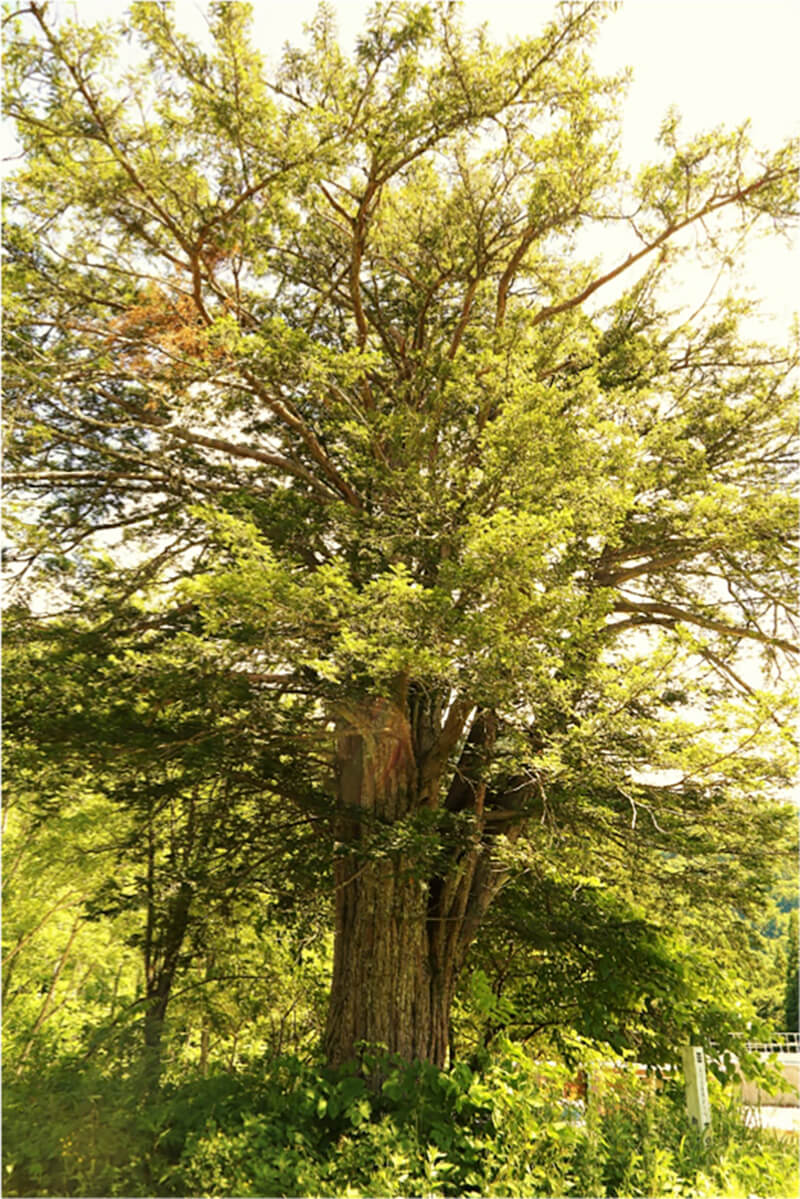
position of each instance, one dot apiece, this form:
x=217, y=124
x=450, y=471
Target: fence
x=783, y=1042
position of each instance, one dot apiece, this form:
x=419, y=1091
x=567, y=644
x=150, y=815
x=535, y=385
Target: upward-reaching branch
x=715, y=204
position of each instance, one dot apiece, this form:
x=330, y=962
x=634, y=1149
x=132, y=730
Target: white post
x=694, y=1072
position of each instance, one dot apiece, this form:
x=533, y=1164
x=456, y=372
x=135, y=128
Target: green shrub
x=288, y=1128
x=506, y=1130
x=71, y=1130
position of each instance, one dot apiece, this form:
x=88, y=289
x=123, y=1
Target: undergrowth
x=284, y=1128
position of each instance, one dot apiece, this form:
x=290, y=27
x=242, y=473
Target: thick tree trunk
x=385, y=990
x=401, y=932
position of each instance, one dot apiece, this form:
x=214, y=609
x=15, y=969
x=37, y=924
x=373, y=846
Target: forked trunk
x=401, y=934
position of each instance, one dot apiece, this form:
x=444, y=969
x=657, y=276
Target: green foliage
x=791, y=1003
x=371, y=534
x=143, y=847
x=89, y=1135
x=632, y=963
x=62, y=975
x=510, y=1128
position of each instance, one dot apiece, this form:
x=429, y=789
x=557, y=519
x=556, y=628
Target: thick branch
x=507, y=277
x=463, y=320
x=235, y=449
x=668, y=615
x=613, y=578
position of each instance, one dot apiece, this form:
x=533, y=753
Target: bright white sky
x=718, y=61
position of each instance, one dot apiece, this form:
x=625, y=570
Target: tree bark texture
x=161, y=962
x=402, y=931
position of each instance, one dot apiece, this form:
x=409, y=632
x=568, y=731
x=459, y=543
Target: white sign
x=694, y=1070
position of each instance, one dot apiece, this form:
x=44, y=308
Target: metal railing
x=783, y=1042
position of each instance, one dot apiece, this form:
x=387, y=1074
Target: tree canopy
x=390, y=540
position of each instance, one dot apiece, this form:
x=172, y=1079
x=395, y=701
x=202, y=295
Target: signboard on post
x=694, y=1072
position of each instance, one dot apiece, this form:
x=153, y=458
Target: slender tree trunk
x=161, y=963
x=401, y=931
x=47, y=1006
x=205, y=1030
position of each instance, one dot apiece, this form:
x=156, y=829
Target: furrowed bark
x=402, y=931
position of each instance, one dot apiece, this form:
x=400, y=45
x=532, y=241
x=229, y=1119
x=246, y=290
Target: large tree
x=319, y=356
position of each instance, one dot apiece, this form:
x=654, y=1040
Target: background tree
x=322, y=350
x=791, y=1016
x=176, y=829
